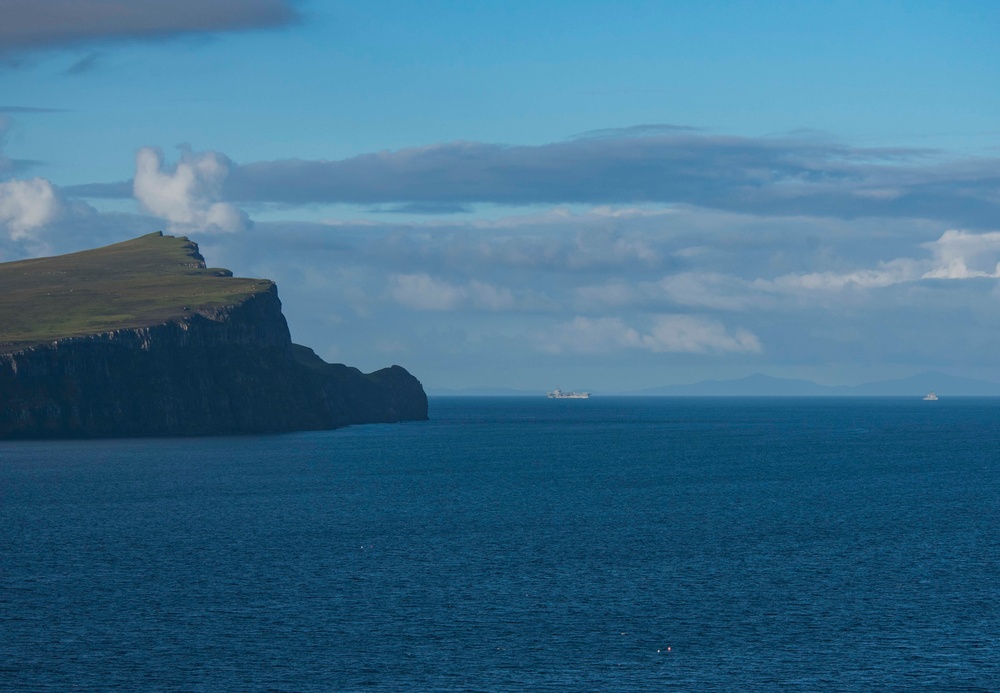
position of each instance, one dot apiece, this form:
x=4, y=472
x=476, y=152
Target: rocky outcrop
x=220, y=370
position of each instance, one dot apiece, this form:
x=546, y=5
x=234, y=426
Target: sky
x=590, y=195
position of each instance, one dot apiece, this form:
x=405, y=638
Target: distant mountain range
x=759, y=385
x=765, y=385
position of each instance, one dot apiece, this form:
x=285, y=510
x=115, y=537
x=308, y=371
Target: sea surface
x=517, y=544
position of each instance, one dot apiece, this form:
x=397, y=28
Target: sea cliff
x=226, y=366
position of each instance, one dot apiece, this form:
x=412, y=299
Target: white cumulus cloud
x=189, y=195
x=964, y=255
x=28, y=205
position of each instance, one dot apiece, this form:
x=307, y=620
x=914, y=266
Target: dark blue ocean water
x=517, y=544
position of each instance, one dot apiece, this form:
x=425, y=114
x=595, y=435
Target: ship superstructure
x=559, y=394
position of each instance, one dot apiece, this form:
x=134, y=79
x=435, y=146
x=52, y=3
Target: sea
x=517, y=544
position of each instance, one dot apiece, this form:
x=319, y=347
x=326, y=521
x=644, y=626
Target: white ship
x=930, y=397
x=559, y=394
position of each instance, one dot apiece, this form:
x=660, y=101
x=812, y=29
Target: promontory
x=142, y=339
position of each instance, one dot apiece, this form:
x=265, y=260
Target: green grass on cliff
x=145, y=281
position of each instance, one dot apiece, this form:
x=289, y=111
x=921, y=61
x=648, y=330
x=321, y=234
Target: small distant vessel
x=930, y=397
x=559, y=394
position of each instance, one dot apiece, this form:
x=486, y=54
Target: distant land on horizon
x=760, y=385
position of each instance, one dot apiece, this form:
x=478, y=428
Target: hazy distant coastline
x=759, y=385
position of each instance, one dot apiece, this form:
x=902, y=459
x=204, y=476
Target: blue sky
x=595, y=195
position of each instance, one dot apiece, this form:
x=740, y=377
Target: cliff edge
x=142, y=339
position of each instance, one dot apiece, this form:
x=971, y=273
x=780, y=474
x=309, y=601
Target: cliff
x=142, y=339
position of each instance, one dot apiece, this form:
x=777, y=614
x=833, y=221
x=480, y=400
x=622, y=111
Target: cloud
x=429, y=208
x=85, y=64
x=660, y=168
x=803, y=175
x=423, y=292
x=666, y=334
x=708, y=290
x=189, y=194
x=33, y=211
x=10, y=166
x=558, y=242
x=29, y=24
x=420, y=291
x=956, y=255
x=123, y=189
x=963, y=255
x=761, y=293
x=686, y=333
x=885, y=274
x=715, y=291
x=637, y=130
x=603, y=260
x=28, y=205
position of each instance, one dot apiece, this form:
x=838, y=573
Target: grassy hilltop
x=145, y=281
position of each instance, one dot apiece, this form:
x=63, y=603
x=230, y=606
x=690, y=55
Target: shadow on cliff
x=221, y=370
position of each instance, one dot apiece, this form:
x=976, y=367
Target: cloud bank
x=786, y=176
x=666, y=334
x=746, y=174
x=40, y=24
x=772, y=176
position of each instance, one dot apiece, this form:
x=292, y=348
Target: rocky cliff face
x=220, y=370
